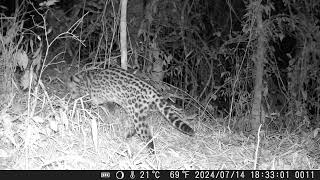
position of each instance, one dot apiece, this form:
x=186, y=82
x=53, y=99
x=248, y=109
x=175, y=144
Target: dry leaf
x=22, y=59
x=53, y=125
x=25, y=79
x=38, y=119
x=64, y=118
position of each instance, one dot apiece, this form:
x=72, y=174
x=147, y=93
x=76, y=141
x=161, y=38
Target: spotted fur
x=135, y=95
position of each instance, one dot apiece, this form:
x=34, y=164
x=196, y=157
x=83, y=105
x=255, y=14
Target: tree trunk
x=123, y=35
x=259, y=60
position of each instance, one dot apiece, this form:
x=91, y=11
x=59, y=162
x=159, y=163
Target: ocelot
x=135, y=95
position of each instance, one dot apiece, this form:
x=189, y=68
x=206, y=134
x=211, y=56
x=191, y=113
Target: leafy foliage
x=205, y=47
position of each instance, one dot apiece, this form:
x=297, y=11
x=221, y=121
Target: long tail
x=174, y=116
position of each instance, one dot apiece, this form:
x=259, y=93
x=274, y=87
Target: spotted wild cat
x=132, y=93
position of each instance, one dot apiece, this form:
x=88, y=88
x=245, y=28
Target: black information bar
x=160, y=174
